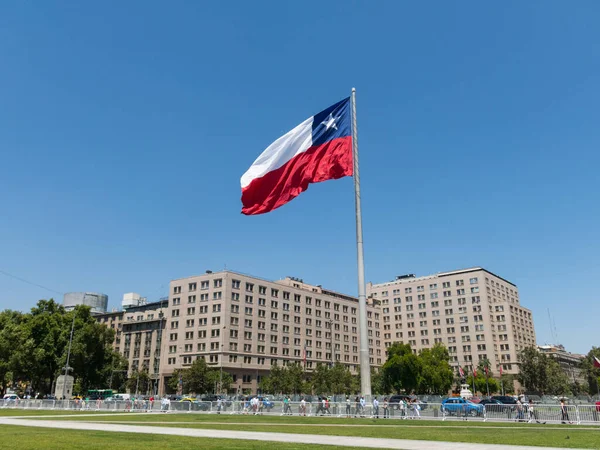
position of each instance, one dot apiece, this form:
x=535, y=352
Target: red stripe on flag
x=329, y=161
x=596, y=362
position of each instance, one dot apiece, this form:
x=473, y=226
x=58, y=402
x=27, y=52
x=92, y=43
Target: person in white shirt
x=376, y=408
x=303, y=407
x=362, y=406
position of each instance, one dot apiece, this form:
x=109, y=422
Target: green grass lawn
x=455, y=431
x=277, y=419
x=29, y=438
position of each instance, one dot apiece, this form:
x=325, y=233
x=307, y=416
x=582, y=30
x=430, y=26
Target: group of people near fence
x=255, y=405
x=139, y=404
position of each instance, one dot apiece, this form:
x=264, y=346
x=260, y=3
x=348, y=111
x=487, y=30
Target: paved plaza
x=350, y=441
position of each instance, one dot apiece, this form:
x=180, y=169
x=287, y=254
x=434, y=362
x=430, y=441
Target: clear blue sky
x=125, y=127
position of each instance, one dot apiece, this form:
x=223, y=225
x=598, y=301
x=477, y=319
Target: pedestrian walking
x=363, y=404
x=386, y=412
x=532, y=413
x=219, y=405
x=356, y=406
x=348, y=407
x=376, y=408
x=302, y=407
x=564, y=413
x=416, y=409
x=520, y=412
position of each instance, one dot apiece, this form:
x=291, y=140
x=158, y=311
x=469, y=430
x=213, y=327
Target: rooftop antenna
x=553, y=332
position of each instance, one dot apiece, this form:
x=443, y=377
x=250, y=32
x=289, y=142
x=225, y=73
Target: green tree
x=91, y=352
x=341, y=380
x=437, y=374
x=507, y=382
x=541, y=374
x=592, y=373
x=533, y=370
x=11, y=347
x=294, y=379
x=402, y=370
x=34, y=346
x=482, y=384
x=199, y=378
x=377, y=382
x=218, y=382
x=320, y=379
x=558, y=381
x=116, y=372
x=46, y=338
x=275, y=382
x=139, y=383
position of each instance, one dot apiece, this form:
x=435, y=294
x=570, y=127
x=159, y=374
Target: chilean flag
x=318, y=149
x=596, y=362
x=461, y=372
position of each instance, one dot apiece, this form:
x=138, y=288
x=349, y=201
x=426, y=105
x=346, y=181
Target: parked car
x=215, y=398
x=505, y=399
x=10, y=399
x=459, y=406
x=266, y=403
x=394, y=401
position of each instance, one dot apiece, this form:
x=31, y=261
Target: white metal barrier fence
x=538, y=413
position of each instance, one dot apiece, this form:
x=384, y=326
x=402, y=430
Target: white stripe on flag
x=280, y=152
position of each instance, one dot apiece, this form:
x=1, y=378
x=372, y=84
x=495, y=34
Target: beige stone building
x=139, y=332
x=244, y=324
x=473, y=312
x=570, y=363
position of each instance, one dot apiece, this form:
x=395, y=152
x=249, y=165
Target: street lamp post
x=156, y=374
x=331, y=339
x=222, y=355
x=67, y=368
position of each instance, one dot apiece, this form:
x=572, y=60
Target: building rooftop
x=412, y=278
x=294, y=282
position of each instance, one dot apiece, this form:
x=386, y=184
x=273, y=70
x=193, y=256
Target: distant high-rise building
x=97, y=302
x=139, y=332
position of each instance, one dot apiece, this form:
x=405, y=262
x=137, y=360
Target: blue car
x=458, y=406
x=266, y=403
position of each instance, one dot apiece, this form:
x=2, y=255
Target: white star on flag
x=330, y=122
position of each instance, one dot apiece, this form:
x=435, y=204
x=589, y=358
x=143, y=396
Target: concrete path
x=349, y=441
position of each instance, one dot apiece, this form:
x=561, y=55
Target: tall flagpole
x=365, y=365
